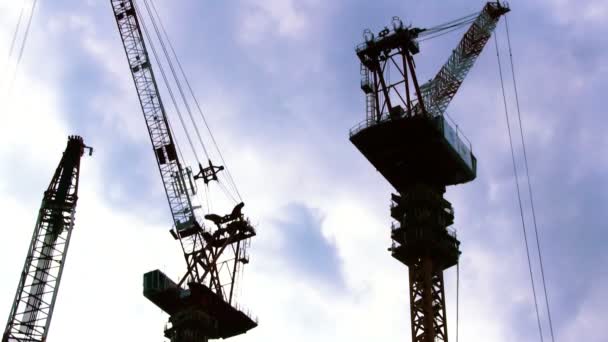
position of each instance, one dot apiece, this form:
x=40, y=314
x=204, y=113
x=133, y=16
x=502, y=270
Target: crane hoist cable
x=156, y=22
x=13, y=40
x=446, y=31
x=197, y=105
x=165, y=41
x=439, y=30
x=525, y=155
x=16, y=32
x=457, y=297
x=167, y=84
x=516, y=178
x=175, y=77
x=451, y=23
x=23, y=42
x=27, y=31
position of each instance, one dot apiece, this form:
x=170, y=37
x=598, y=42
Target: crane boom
x=214, y=253
x=171, y=170
x=439, y=92
x=34, y=302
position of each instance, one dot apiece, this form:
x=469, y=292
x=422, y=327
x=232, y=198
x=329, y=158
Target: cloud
x=279, y=84
x=590, y=315
x=579, y=12
x=306, y=251
x=276, y=19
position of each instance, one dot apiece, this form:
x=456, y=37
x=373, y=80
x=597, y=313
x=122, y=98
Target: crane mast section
x=171, y=171
x=32, y=309
x=439, y=92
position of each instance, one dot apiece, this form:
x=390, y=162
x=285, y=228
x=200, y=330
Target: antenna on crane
x=413, y=143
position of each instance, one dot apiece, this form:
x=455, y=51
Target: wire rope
x=23, y=43
x=227, y=192
x=166, y=81
x=230, y=179
x=521, y=210
x=449, y=24
x=457, y=296
x=14, y=39
x=175, y=77
x=443, y=33
x=181, y=69
x=10, y=50
x=521, y=131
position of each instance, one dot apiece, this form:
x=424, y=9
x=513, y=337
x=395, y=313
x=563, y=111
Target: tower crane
x=200, y=304
x=32, y=309
x=412, y=142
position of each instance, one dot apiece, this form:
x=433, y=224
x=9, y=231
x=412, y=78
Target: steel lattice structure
x=171, y=170
x=213, y=253
x=438, y=92
x=413, y=144
x=32, y=308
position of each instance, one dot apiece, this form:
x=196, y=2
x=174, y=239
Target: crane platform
x=164, y=293
x=415, y=149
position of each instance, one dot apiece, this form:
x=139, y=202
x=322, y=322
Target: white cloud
x=579, y=12
x=590, y=317
x=112, y=246
x=283, y=19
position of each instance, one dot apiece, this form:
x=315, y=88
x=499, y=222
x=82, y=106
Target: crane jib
x=171, y=170
x=439, y=92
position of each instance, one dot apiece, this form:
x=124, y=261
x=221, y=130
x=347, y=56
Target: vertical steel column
x=427, y=302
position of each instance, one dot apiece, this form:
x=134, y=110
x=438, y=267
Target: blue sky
x=279, y=83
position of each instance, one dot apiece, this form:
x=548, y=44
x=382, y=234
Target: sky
x=279, y=83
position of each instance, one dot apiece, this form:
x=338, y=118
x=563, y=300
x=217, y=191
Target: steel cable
x=523, y=144
x=443, y=33
x=167, y=84
x=456, y=22
x=521, y=210
x=457, y=296
x=175, y=77
x=23, y=42
x=12, y=47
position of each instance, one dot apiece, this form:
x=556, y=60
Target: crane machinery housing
x=32, y=309
x=410, y=140
x=201, y=304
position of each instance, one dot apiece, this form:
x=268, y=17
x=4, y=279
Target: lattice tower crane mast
x=32, y=309
x=412, y=142
x=205, y=310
